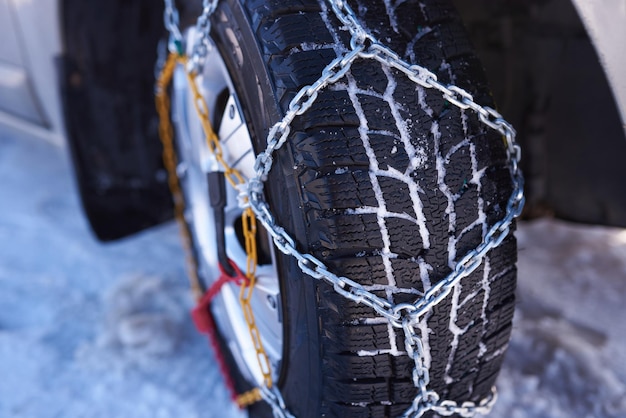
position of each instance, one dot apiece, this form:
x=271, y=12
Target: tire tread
x=333, y=182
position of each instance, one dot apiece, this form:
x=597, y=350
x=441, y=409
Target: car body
x=68, y=72
x=30, y=99
x=604, y=21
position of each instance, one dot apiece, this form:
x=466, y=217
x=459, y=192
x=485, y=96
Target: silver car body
x=605, y=21
x=29, y=88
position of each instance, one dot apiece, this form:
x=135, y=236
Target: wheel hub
x=195, y=161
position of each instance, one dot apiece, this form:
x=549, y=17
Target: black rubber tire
x=107, y=92
x=335, y=361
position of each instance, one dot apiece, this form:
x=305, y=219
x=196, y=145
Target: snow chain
x=403, y=316
x=236, y=180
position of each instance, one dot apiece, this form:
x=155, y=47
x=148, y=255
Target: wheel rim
x=195, y=161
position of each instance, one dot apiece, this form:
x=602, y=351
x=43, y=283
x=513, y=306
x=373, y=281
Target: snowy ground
x=91, y=330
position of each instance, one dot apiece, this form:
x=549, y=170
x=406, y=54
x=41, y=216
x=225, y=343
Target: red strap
x=201, y=314
x=203, y=319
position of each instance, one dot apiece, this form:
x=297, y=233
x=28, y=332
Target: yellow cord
x=236, y=180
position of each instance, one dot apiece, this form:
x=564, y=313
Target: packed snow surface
x=102, y=330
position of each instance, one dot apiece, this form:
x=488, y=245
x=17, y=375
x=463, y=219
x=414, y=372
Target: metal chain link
x=166, y=134
x=249, y=226
x=200, y=47
x=233, y=176
x=171, y=21
x=405, y=316
x=275, y=400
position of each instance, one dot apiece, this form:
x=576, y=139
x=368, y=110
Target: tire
x=109, y=115
x=441, y=180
